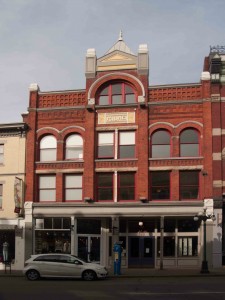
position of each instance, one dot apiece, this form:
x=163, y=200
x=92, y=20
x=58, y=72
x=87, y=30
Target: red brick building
x=125, y=161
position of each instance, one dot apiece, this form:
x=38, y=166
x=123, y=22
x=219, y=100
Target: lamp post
x=203, y=216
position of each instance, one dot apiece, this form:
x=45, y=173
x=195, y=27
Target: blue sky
x=45, y=41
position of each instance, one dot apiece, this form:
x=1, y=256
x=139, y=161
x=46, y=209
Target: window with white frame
x=188, y=246
x=73, y=187
x=47, y=188
x=74, y=147
x=116, y=144
x=48, y=148
x=1, y=153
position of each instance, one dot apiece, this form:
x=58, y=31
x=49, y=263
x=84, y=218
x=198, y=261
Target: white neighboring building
x=12, y=174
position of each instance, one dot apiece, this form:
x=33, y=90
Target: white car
x=62, y=265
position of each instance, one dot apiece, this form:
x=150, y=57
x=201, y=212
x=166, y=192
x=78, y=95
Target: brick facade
x=173, y=108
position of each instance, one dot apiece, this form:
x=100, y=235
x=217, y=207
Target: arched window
x=74, y=147
x=160, y=142
x=117, y=93
x=189, y=143
x=48, y=147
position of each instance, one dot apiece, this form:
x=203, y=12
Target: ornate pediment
x=117, y=60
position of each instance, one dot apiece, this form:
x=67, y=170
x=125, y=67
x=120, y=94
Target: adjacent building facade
x=12, y=178
x=125, y=161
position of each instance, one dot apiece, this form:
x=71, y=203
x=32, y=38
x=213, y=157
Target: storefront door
x=141, y=252
x=89, y=248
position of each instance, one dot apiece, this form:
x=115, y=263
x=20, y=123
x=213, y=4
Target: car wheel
x=89, y=275
x=33, y=275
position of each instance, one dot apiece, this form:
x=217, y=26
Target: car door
x=69, y=265
x=46, y=264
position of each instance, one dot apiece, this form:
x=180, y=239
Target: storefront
x=142, y=239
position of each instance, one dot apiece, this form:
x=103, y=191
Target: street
x=159, y=288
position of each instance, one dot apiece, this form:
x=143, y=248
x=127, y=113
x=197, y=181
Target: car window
x=49, y=258
x=69, y=259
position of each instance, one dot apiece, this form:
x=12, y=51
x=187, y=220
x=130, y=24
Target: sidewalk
x=166, y=273
x=139, y=273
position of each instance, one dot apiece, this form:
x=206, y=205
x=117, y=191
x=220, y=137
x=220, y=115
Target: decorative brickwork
x=61, y=99
x=116, y=164
x=60, y=165
x=195, y=163
x=175, y=93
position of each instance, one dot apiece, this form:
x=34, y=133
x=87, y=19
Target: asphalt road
x=162, y=288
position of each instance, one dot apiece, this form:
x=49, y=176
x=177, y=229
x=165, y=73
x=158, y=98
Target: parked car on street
x=62, y=265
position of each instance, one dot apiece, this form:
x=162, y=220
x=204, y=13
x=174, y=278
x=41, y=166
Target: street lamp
x=203, y=216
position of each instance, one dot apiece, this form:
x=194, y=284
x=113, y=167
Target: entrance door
x=141, y=252
x=89, y=248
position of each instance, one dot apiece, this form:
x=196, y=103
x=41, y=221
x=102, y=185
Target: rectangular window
x=111, y=145
x=47, y=188
x=126, y=186
x=189, y=184
x=168, y=246
x=105, y=187
x=127, y=144
x=73, y=187
x=106, y=145
x=188, y=246
x=160, y=185
x=1, y=154
x=1, y=194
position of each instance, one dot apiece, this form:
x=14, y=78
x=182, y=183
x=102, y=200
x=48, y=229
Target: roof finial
x=121, y=36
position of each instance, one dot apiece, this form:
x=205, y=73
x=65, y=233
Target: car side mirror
x=77, y=262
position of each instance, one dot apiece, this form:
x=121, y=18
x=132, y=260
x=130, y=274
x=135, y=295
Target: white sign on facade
x=115, y=118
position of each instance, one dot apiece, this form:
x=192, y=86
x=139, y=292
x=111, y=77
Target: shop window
x=53, y=223
x=117, y=93
x=52, y=235
x=160, y=185
x=1, y=194
x=74, y=147
x=88, y=226
x=188, y=246
x=121, y=145
x=122, y=225
x=7, y=237
x=160, y=144
x=189, y=143
x=189, y=185
x=105, y=187
x=187, y=225
x=126, y=186
x=141, y=226
x=168, y=246
x=48, y=147
x=169, y=225
x=47, y=188
x=73, y=187
x=52, y=241
x=1, y=153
